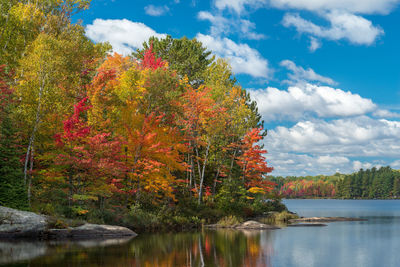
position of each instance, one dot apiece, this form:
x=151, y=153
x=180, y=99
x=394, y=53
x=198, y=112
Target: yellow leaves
x=27, y=14
x=256, y=190
x=132, y=85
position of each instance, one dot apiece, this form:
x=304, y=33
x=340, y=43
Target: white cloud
x=384, y=113
x=300, y=74
x=353, y=6
x=343, y=25
x=124, y=35
x=242, y=58
x=156, y=10
x=291, y=164
x=357, y=165
x=350, y=137
x=325, y=147
x=343, y=16
x=332, y=160
x=222, y=25
x=314, y=44
x=238, y=6
x=395, y=164
x=307, y=99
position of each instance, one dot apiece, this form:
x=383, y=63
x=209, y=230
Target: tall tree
x=188, y=57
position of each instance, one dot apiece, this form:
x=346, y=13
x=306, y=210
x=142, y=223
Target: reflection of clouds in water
x=303, y=257
x=349, y=244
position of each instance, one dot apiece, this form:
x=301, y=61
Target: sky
x=325, y=73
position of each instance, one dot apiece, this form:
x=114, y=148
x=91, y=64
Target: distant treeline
x=371, y=183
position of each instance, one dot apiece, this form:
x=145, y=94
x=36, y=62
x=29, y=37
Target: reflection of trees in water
x=207, y=248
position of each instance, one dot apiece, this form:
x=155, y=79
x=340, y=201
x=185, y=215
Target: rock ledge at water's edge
x=249, y=225
x=23, y=224
x=327, y=219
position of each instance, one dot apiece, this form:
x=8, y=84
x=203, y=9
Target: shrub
x=229, y=221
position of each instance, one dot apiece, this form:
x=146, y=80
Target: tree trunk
x=202, y=174
x=35, y=127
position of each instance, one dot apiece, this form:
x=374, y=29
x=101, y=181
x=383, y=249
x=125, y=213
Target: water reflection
x=205, y=248
x=371, y=243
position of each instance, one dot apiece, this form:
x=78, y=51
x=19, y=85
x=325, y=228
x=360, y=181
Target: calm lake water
x=375, y=242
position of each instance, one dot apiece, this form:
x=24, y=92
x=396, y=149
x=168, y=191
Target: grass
x=229, y=221
x=279, y=217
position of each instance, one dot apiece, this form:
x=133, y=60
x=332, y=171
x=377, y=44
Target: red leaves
x=253, y=162
x=5, y=91
x=307, y=188
x=149, y=60
x=74, y=127
x=94, y=158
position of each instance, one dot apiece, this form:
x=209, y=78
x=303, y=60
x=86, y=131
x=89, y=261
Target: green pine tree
x=12, y=187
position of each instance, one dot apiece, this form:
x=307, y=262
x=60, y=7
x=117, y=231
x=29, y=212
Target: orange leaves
x=252, y=161
x=153, y=150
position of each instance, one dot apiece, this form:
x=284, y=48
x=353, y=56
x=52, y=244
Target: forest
x=162, y=137
x=382, y=183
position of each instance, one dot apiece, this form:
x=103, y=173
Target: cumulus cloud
x=344, y=17
x=357, y=165
x=291, y=164
x=343, y=25
x=242, y=58
x=124, y=35
x=300, y=74
x=301, y=100
x=395, y=164
x=353, y=6
x=350, y=137
x=312, y=147
x=384, y=113
x=238, y=6
x=222, y=25
x=156, y=10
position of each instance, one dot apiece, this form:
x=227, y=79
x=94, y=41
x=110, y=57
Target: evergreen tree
x=396, y=188
x=12, y=187
x=187, y=56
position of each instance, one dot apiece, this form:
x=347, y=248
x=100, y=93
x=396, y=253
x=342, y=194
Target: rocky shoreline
x=300, y=222
x=327, y=219
x=23, y=224
x=249, y=225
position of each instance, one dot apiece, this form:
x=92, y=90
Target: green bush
x=230, y=221
x=232, y=198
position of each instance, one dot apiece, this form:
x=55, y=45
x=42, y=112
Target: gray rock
x=89, y=231
x=254, y=225
x=249, y=225
x=327, y=219
x=20, y=223
x=16, y=223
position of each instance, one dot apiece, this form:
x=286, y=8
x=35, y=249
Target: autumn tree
x=187, y=57
x=253, y=163
x=85, y=161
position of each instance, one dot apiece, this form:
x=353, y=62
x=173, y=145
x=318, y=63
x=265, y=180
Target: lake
x=371, y=243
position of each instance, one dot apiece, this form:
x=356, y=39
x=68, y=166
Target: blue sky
x=325, y=73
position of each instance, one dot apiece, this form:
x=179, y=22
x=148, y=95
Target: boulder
x=91, y=231
x=23, y=224
x=254, y=225
x=249, y=225
x=15, y=223
x=326, y=219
